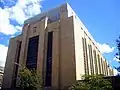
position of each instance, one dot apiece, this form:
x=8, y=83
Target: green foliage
x=80, y=85
x=117, y=55
x=92, y=82
x=30, y=80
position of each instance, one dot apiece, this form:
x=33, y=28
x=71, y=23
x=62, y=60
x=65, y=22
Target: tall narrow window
x=109, y=70
x=99, y=63
x=84, y=55
x=16, y=61
x=112, y=72
x=102, y=66
x=91, y=59
x=31, y=62
x=95, y=60
x=106, y=68
x=48, y=78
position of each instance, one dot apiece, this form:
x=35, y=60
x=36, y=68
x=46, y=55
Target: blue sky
x=101, y=17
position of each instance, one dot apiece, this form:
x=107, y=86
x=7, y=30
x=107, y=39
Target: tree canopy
x=117, y=55
x=30, y=80
x=92, y=82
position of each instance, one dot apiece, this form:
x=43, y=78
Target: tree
x=92, y=82
x=117, y=55
x=30, y=80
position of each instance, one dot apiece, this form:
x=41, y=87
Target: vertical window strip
x=95, y=60
x=99, y=64
x=109, y=71
x=102, y=67
x=86, y=54
x=106, y=68
x=16, y=61
x=31, y=62
x=92, y=59
x=18, y=58
x=48, y=78
x=112, y=72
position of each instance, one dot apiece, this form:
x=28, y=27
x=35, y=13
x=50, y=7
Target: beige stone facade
x=74, y=51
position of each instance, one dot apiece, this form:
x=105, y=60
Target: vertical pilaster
x=55, y=59
x=9, y=66
x=42, y=47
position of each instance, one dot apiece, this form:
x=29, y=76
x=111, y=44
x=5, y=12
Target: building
x=1, y=75
x=58, y=45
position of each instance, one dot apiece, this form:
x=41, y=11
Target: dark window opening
x=99, y=65
x=95, y=60
x=86, y=54
x=102, y=66
x=91, y=59
x=81, y=28
x=48, y=78
x=32, y=52
x=16, y=61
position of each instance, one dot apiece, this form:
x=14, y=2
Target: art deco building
x=58, y=45
x=1, y=75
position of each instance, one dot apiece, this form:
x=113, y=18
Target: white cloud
x=105, y=48
x=16, y=13
x=115, y=72
x=18, y=28
x=5, y=26
x=3, y=54
x=22, y=10
x=11, y=37
x=116, y=59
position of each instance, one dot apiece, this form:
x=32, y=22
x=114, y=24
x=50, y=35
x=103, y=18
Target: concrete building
x=1, y=75
x=58, y=45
